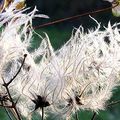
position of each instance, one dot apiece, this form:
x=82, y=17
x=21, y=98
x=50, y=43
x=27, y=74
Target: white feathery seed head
x=80, y=75
x=90, y=64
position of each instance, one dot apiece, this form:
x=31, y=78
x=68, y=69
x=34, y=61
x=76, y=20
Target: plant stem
x=6, y=85
x=113, y=103
x=42, y=113
x=76, y=116
x=93, y=117
x=74, y=17
x=11, y=100
x=18, y=70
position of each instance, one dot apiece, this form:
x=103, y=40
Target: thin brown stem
x=75, y=17
x=93, y=117
x=113, y=103
x=11, y=100
x=5, y=108
x=6, y=85
x=17, y=71
x=76, y=115
x=42, y=113
x=108, y=105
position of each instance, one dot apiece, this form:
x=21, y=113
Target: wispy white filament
x=80, y=75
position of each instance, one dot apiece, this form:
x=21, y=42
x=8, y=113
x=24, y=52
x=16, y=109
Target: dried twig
x=6, y=85
x=75, y=17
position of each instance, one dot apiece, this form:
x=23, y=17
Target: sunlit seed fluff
x=80, y=75
x=90, y=67
x=14, y=41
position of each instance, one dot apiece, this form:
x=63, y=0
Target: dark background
x=58, y=9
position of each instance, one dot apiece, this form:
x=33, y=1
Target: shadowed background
x=58, y=9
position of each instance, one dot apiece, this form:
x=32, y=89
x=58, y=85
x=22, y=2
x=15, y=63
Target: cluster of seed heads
x=80, y=75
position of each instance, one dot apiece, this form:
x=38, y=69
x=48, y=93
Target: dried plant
x=81, y=75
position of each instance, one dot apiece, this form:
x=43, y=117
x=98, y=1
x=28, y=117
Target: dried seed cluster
x=80, y=75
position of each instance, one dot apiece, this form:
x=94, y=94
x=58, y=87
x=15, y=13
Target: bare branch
x=6, y=84
x=75, y=17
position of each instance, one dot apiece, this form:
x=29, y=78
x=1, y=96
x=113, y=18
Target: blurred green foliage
x=57, y=37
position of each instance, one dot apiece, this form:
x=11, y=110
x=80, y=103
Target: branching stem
x=76, y=115
x=75, y=17
x=109, y=105
x=6, y=85
x=17, y=71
